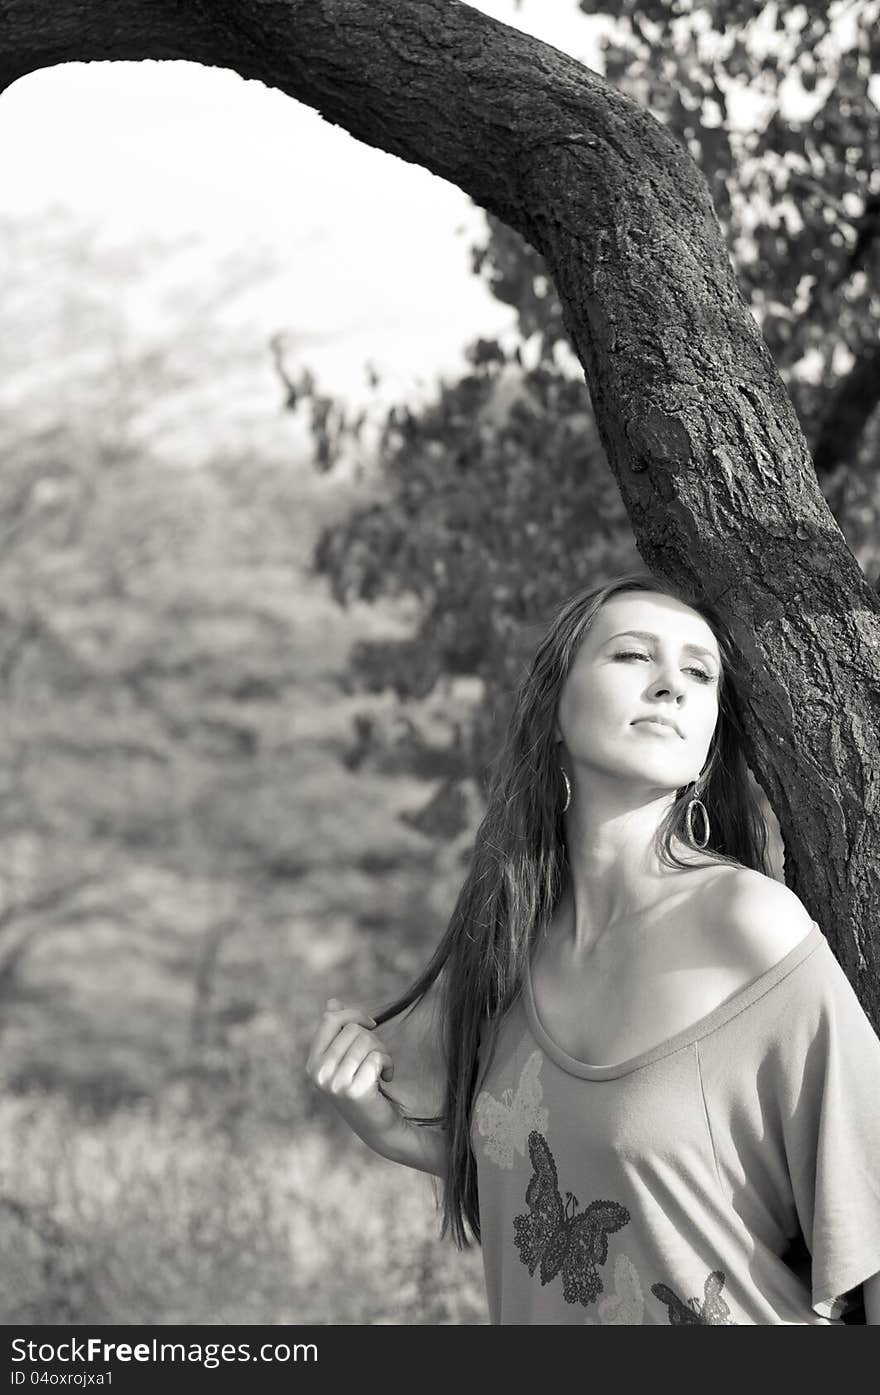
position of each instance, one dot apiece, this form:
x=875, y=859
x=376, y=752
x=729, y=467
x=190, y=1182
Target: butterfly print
x=556, y=1236
x=507, y=1123
x=712, y=1312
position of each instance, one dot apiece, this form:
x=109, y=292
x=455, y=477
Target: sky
x=369, y=256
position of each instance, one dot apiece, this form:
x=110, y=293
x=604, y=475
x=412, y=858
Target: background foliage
x=188, y=868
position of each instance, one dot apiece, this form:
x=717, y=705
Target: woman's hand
x=346, y=1061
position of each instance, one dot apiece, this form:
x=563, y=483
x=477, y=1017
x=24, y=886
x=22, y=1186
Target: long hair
x=519, y=864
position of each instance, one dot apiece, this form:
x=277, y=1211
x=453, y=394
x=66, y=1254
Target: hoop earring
x=567, y=788
x=696, y=802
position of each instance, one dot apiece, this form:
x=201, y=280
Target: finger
x=351, y=1039
x=325, y=1063
x=366, y=1078
x=331, y=1023
x=350, y=1062
x=335, y=1005
x=345, y=1011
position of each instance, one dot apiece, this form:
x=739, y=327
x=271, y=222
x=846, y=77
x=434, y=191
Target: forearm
x=422, y=1147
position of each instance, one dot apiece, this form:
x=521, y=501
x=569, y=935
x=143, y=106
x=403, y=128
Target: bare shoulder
x=758, y=919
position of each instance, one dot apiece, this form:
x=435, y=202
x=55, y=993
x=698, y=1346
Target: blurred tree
x=698, y=429
x=116, y=685
x=500, y=503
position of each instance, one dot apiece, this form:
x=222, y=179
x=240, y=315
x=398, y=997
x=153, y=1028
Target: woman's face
x=669, y=671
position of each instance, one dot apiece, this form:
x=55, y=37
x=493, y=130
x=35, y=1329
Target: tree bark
x=698, y=429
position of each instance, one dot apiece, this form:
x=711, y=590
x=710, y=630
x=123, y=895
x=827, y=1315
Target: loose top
x=681, y=1186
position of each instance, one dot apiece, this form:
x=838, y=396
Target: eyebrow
x=646, y=634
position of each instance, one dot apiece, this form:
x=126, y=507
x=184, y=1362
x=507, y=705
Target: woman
x=660, y=1093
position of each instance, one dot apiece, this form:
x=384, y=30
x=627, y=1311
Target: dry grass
x=150, y=1217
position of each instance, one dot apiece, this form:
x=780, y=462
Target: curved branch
x=697, y=426
x=34, y=36
x=676, y=365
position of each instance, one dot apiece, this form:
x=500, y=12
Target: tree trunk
x=697, y=426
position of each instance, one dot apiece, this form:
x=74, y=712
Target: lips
x=659, y=721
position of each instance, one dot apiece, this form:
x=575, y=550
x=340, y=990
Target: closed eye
x=700, y=673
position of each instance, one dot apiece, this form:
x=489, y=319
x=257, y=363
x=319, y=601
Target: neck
x=615, y=872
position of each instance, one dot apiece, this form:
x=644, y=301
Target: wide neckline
x=726, y=1010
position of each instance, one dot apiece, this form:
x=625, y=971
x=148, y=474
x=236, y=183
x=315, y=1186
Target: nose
x=670, y=684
